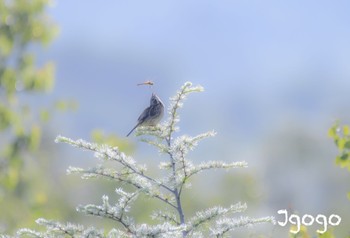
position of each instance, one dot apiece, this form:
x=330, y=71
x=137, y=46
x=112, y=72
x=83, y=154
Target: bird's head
x=155, y=99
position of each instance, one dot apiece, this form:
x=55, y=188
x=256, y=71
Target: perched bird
x=152, y=115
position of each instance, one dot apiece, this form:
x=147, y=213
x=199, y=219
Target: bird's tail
x=133, y=129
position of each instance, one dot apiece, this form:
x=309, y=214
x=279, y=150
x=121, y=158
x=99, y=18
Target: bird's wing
x=154, y=111
x=144, y=115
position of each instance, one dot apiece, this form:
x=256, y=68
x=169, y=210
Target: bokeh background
x=276, y=76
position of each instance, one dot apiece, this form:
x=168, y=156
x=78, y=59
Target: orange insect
x=148, y=82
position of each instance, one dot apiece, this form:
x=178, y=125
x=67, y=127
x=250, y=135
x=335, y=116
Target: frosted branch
x=147, y=186
x=229, y=224
x=139, y=179
x=28, y=232
x=176, y=171
x=116, y=213
x=176, y=103
x=164, y=230
x=165, y=216
x=183, y=144
x=105, y=152
x=57, y=230
x=210, y=214
x=216, y=165
x=161, y=147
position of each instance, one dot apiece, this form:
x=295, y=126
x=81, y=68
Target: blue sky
x=270, y=54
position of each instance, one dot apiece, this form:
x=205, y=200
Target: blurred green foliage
x=303, y=233
x=23, y=25
x=341, y=137
x=98, y=136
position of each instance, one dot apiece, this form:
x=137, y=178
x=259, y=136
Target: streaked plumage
x=152, y=115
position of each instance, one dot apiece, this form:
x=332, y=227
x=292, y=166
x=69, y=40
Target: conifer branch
x=128, y=178
x=208, y=215
x=226, y=225
x=106, y=152
x=168, y=189
x=216, y=165
x=116, y=213
x=168, y=217
x=176, y=104
x=57, y=230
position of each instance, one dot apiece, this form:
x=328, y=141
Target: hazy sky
x=255, y=58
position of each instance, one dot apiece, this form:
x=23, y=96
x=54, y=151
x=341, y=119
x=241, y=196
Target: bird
x=152, y=115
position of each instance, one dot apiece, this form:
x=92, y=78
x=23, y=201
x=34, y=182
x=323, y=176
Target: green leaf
x=61, y=105
x=342, y=160
x=332, y=132
x=346, y=130
x=6, y=44
x=341, y=143
x=5, y=117
x=44, y=115
x=34, y=137
x=303, y=233
x=344, y=156
x=100, y=137
x=44, y=80
x=327, y=234
x=65, y=105
x=12, y=178
x=347, y=144
x=8, y=81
